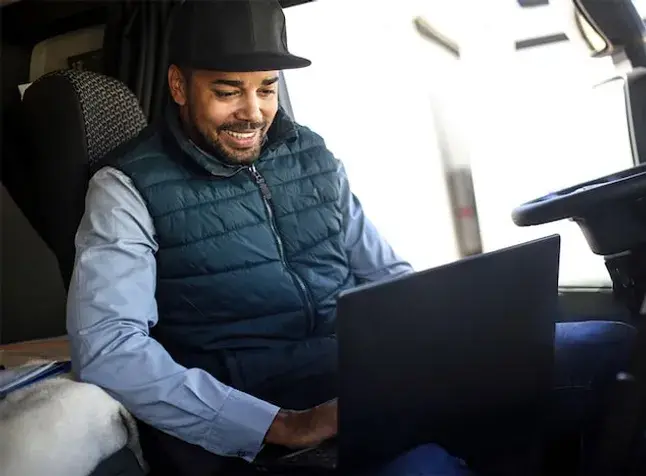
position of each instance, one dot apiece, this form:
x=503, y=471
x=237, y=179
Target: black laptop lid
x=452, y=354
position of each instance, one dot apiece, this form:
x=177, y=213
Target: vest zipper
x=302, y=287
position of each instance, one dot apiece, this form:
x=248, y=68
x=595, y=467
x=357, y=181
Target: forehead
x=243, y=79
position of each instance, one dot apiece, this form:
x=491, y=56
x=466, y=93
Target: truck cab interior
x=81, y=77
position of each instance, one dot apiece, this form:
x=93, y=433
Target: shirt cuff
x=241, y=425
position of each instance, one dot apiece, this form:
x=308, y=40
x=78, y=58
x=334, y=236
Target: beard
x=208, y=138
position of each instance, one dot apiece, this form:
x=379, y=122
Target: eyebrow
x=238, y=84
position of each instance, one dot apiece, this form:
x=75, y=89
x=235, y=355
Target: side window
x=369, y=95
x=641, y=7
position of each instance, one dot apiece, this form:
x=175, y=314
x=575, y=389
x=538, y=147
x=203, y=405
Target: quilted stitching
x=111, y=112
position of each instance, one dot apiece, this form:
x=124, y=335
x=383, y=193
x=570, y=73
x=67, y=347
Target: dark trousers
x=588, y=355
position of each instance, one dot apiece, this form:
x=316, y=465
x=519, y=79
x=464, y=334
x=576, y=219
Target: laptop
x=460, y=355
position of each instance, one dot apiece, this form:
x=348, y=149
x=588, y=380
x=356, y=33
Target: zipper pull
x=260, y=180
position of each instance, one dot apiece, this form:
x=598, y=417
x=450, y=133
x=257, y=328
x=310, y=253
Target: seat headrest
x=72, y=119
x=85, y=111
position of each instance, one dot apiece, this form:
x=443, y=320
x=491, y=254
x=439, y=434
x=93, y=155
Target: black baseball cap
x=232, y=36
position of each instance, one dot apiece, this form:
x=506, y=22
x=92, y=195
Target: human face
x=226, y=113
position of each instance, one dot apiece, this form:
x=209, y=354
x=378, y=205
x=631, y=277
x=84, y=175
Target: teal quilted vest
x=250, y=259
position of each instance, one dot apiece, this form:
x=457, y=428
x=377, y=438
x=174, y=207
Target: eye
x=267, y=92
x=224, y=94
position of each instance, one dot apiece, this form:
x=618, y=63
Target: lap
x=425, y=460
x=587, y=352
x=588, y=355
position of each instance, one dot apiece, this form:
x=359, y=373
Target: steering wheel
x=580, y=199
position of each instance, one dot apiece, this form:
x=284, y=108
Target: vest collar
x=282, y=130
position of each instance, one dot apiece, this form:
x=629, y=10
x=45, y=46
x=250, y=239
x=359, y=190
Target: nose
x=250, y=110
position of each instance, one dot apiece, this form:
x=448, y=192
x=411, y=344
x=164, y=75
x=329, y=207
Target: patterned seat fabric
x=111, y=112
x=74, y=118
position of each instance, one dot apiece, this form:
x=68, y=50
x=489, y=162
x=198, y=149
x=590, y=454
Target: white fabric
x=60, y=427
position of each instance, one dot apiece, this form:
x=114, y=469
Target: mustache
x=245, y=126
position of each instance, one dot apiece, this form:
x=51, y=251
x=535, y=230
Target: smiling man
x=211, y=253
x=211, y=110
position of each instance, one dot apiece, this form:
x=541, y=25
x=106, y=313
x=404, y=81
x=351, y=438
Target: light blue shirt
x=111, y=307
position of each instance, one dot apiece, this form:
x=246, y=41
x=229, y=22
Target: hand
x=303, y=429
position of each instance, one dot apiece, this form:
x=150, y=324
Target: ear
x=178, y=85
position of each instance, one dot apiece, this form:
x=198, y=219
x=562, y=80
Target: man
x=211, y=252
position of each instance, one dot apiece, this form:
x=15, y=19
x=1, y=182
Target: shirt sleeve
x=111, y=307
x=371, y=257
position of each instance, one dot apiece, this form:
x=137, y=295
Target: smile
x=242, y=140
x=242, y=135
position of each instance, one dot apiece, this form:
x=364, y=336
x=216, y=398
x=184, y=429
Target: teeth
x=242, y=135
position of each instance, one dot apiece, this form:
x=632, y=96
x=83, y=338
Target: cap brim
x=250, y=62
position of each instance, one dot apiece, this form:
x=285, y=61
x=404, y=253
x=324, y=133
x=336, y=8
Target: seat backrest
x=72, y=119
x=635, y=94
